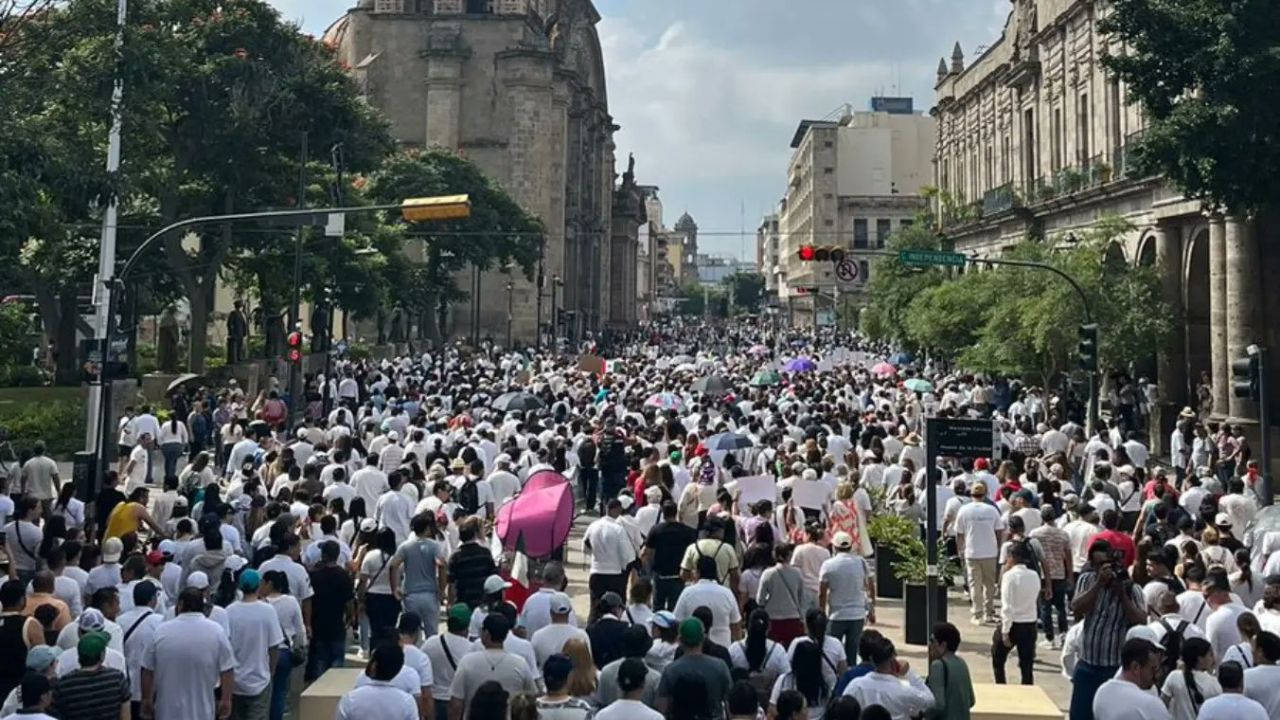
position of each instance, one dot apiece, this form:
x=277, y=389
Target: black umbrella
x=728, y=441
x=711, y=385
x=519, y=400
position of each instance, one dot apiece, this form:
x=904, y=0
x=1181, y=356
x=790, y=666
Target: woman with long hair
x=1186, y=690
x=173, y=441
x=275, y=590
x=374, y=588
x=350, y=529
x=805, y=676
x=834, y=662
x=196, y=476
x=758, y=658
x=1242, y=652
x=757, y=559
x=582, y=681
x=1214, y=554
x=68, y=506
x=1243, y=583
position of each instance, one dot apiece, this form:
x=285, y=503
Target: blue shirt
x=850, y=675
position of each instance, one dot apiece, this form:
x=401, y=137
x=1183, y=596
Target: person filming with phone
x=1110, y=603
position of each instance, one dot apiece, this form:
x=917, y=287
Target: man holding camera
x=1110, y=604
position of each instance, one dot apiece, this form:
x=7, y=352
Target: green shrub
x=60, y=424
x=22, y=376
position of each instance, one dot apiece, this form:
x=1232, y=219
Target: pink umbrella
x=540, y=516
x=884, y=369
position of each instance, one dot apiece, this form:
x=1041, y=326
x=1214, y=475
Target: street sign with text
x=931, y=257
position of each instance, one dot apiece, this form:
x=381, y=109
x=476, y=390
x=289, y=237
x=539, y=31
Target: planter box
x=887, y=585
x=915, y=624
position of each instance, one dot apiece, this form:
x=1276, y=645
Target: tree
x=218, y=96
x=747, y=290
x=499, y=232
x=1205, y=73
x=893, y=286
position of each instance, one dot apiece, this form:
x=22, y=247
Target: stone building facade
x=518, y=87
x=1035, y=140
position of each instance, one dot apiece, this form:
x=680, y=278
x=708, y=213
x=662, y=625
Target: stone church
x=517, y=87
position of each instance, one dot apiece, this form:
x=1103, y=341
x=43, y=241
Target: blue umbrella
x=800, y=365
x=901, y=358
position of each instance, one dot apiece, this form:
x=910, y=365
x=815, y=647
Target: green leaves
x=1205, y=73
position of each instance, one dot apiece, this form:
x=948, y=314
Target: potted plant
x=888, y=532
x=912, y=570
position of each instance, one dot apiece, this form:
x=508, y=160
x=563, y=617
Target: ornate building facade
x=518, y=87
x=1035, y=140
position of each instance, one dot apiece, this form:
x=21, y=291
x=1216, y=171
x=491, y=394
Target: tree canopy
x=1206, y=74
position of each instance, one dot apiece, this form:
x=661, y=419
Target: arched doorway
x=1195, y=300
x=1114, y=257
x=1147, y=252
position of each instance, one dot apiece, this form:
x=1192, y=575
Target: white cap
x=235, y=563
x=1144, y=632
x=112, y=549
x=198, y=580
x=495, y=583
x=560, y=604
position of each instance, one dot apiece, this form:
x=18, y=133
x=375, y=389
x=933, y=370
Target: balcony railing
x=1000, y=199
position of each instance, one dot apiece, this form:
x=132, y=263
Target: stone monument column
x=1221, y=375
x=1171, y=362
x=445, y=57
x=1243, y=302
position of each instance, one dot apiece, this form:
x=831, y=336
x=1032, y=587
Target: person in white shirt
x=502, y=483
x=979, y=532
x=612, y=553
x=286, y=561
x=1262, y=682
x=1232, y=704
x=409, y=628
x=370, y=482
x=847, y=590
x=1019, y=595
x=186, y=658
x=1081, y=531
x=256, y=638
x=631, y=683
x=1128, y=696
x=885, y=686
x=1186, y=689
x=394, y=509
x=139, y=625
x=378, y=697
x=550, y=639
x=493, y=663
x=445, y=651
x=537, y=608
x=726, y=615
x=1221, y=626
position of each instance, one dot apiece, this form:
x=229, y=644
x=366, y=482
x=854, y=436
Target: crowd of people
x=239, y=550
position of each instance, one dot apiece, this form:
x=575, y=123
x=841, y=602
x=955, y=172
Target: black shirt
x=669, y=540
x=107, y=501
x=606, y=640
x=470, y=565
x=333, y=590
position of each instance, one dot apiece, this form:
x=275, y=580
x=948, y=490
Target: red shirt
x=1122, y=542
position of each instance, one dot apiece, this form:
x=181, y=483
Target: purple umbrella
x=800, y=365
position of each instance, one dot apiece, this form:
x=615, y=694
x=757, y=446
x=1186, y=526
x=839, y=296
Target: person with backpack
x=1185, y=690
x=473, y=494
x=588, y=473
x=757, y=658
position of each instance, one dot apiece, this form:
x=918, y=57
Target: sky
x=708, y=93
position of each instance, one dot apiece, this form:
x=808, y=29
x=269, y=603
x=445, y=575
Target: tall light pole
x=510, y=310
x=103, y=288
x=556, y=282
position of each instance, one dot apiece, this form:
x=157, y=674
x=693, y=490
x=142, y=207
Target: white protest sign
x=754, y=489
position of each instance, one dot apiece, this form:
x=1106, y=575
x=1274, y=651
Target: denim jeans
x=1084, y=686
x=426, y=606
x=280, y=681
x=1057, y=602
x=172, y=453
x=848, y=632
x=325, y=654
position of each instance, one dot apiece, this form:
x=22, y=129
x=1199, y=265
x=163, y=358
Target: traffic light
x=821, y=253
x=1245, y=376
x=295, y=347
x=1089, y=347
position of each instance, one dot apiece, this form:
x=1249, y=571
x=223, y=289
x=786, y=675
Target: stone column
x=1221, y=374
x=1244, y=298
x=444, y=95
x=1171, y=360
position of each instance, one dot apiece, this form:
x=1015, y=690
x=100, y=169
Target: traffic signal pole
x=1264, y=424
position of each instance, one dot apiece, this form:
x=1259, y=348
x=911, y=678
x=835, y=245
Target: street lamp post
x=412, y=210
x=510, y=309
x=556, y=282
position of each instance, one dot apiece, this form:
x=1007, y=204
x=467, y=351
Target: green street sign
x=931, y=257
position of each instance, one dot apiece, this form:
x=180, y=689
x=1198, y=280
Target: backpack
x=469, y=496
x=1172, y=643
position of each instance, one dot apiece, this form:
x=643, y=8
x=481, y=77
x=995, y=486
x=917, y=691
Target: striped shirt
x=1105, y=625
x=1057, y=551
x=91, y=694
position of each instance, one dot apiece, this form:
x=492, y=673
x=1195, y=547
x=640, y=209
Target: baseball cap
x=197, y=580
x=180, y=501
x=1144, y=632
x=168, y=548
x=40, y=657
x=1222, y=520
x=460, y=613
x=250, y=580
x=664, y=619
x=495, y=583
x=368, y=525
x=235, y=563
x=653, y=493
x=842, y=541
x=625, y=501
x=93, y=645
x=692, y=632
x=111, y=550
x=92, y=620
x=560, y=604
x=155, y=557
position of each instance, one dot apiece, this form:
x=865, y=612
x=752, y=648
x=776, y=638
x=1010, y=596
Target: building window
x=1113, y=116
x=828, y=143
x=1082, y=129
x=860, y=240
x=1004, y=159
x=884, y=228
x=906, y=223
x=1057, y=131
x=828, y=170
x=828, y=222
x=864, y=270
x=1031, y=171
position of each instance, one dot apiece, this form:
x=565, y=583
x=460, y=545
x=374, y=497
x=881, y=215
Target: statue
x=397, y=326
x=320, y=328
x=631, y=166
x=237, y=329
x=167, y=345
